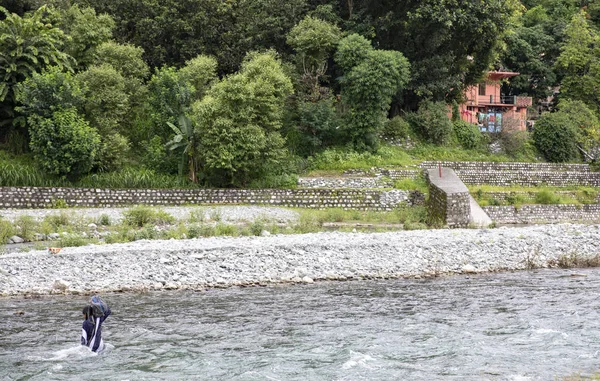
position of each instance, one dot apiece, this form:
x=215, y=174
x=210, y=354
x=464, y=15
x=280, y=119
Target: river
x=541, y=325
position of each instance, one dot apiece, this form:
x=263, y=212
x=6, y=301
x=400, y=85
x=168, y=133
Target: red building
x=490, y=110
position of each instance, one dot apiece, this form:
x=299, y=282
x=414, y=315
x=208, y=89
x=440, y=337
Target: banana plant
x=185, y=140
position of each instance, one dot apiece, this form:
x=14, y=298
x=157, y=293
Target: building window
x=482, y=89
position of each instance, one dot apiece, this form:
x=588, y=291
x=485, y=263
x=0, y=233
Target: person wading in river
x=93, y=317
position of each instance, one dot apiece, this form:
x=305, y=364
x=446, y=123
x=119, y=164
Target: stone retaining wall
x=525, y=178
x=543, y=213
x=394, y=174
x=503, y=196
x=491, y=166
x=33, y=197
x=344, y=182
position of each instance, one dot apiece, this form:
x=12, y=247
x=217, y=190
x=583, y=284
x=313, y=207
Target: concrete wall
x=543, y=213
x=33, y=197
x=449, y=201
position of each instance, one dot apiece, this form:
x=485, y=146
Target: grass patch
x=141, y=216
x=574, y=260
x=6, y=230
x=75, y=240
x=419, y=184
x=26, y=227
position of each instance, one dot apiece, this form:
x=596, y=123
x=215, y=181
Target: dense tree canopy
x=237, y=90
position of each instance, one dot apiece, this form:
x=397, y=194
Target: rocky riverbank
x=244, y=261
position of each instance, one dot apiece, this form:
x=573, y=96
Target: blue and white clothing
x=91, y=332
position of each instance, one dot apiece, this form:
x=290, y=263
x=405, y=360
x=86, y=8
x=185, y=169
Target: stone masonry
x=33, y=197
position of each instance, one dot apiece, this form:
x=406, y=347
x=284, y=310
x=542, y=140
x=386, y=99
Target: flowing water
x=513, y=326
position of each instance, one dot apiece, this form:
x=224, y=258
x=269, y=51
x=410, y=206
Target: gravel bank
x=225, y=262
x=232, y=213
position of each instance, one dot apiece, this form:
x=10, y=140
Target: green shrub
x=546, y=197
x=64, y=145
x=74, y=240
x=104, y=220
x=396, y=129
x=257, y=226
x=6, y=230
x=517, y=144
x=143, y=215
x=194, y=231
x=431, y=122
x=147, y=232
x=197, y=215
x=555, y=136
x=27, y=226
x=133, y=178
x=59, y=204
x=57, y=221
x=467, y=134
x=225, y=230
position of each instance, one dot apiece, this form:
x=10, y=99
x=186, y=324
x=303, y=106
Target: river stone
x=39, y=237
x=307, y=279
x=61, y=285
x=469, y=269
x=17, y=239
x=53, y=236
x=264, y=233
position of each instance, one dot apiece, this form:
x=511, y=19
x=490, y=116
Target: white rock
x=469, y=269
x=307, y=279
x=17, y=239
x=92, y=226
x=264, y=233
x=61, y=285
x=53, y=236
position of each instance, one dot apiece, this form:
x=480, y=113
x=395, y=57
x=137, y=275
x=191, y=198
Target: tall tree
x=27, y=45
x=579, y=62
x=370, y=80
x=238, y=122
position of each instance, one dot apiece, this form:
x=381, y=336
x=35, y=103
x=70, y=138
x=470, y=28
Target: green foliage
x=125, y=58
x=546, y=197
x=555, y=136
x=26, y=227
x=467, y=134
x=340, y=159
x=106, y=102
x=318, y=127
x=64, y=145
x=371, y=79
x=431, y=122
x=449, y=44
x=352, y=51
x=104, y=220
x=86, y=31
x=239, y=120
x=517, y=144
x=131, y=178
x=579, y=62
x=201, y=73
x=44, y=93
x=141, y=216
x=313, y=40
x=75, y=240
x=170, y=94
x=585, y=120
x=186, y=141
x=396, y=128
x=27, y=45
x=6, y=230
